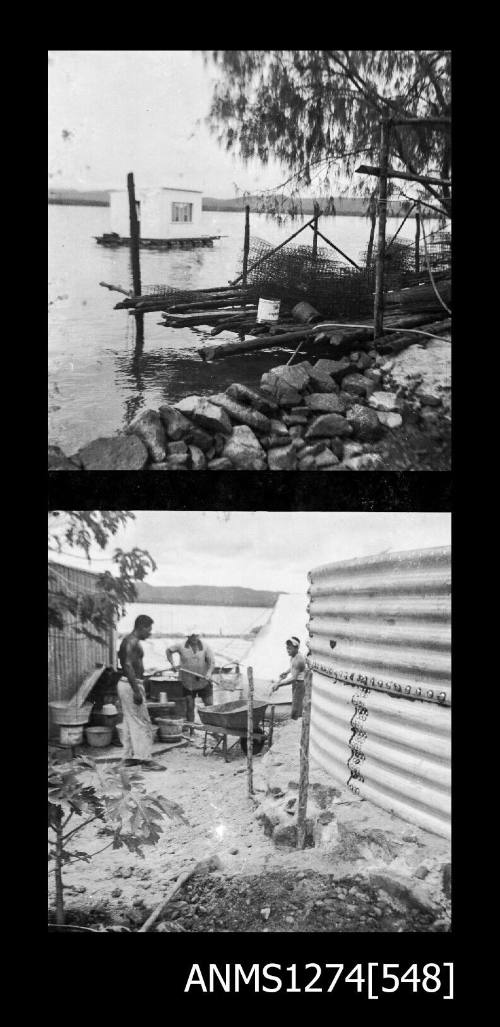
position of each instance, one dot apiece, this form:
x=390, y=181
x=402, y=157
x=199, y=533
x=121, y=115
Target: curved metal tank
x=380, y=650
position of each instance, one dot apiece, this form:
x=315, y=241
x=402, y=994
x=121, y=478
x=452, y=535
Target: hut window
x=182, y=212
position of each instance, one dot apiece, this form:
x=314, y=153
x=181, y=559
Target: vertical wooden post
x=304, y=762
x=134, y=236
x=271, y=727
x=250, y=731
x=246, y=244
x=382, y=217
x=417, y=240
x=134, y=256
x=315, y=231
x=58, y=874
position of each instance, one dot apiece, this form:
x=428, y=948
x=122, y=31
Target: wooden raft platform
x=157, y=244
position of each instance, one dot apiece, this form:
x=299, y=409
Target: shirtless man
x=137, y=727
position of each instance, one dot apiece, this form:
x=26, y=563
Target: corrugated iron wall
x=380, y=651
x=70, y=656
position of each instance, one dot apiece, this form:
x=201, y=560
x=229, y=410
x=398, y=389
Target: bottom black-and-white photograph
x=249, y=719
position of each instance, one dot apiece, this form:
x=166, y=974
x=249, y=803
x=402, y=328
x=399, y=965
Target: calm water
x=97, y=384
x=218, y=624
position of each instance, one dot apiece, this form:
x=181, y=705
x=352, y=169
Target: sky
x=262, y=549
x=115, y=111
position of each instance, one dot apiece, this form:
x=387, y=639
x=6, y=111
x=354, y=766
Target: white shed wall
x=156, y=213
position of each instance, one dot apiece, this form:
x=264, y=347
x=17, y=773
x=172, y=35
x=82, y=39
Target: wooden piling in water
x=134, y=253
x=417, y=240
x=246, y=244
x=382, y=219
x=315, y=231
x=250, y=731
x=304, y=762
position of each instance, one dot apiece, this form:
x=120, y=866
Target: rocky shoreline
x=332, y=415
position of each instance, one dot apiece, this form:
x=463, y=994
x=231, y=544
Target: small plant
x=128, y=815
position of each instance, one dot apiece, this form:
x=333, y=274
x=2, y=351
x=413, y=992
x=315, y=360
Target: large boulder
x=337, y=369
x=366, y=462
x=178, y=461
x=321, y=380
x=199, y=438
x=244, y=450
x=274, y=441
x=204, y=414
x=389, y=418
x=352, y=449
x=249, y=397
x=357, y=384
x=313, y=449
x=365, y=423
x=329, y=425
x=174, y=448
x=149, y=428
x=241, y=414
x=295, y=419
x=282, y=393
x=220, y=463
x=326, y=403
x=121, y=453
x=197, y=457
x=306, y=463
x=175, y=424
x=278, y=428
x=283, y=458
x=326, y=459
x=383, y=401
x=297, y=376
x=58, y=461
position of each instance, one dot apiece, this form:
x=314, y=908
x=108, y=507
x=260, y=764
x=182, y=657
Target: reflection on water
x=99, y=378
x=168, y=375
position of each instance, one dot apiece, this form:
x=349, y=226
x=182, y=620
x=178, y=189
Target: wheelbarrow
x=231, y=718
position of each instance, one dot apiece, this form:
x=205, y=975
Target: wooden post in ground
x=378, y=314
x=271, y=727
x=304, y=762
x=417, y=240
x=250, y=731
x=246, y=244
x=134, y=254
x=315, y=230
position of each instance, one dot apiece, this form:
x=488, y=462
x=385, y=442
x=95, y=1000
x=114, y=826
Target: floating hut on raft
x=168, y=218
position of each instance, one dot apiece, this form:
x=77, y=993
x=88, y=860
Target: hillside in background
x=344, y=205
x=204, y=595
x=76, y=197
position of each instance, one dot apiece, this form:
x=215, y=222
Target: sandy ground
x=224, y=821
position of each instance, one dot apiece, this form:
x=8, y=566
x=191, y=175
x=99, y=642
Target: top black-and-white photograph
x=249, y=260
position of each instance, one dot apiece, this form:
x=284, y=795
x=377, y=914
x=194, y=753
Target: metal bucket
x=71, y=734
x=305, y=313
x=169, y=729
x=268, y=310
x=69, y=713
x=99, y=737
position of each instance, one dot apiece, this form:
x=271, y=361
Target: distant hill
x=204, y=595
x=344, y=205
x=74, y=197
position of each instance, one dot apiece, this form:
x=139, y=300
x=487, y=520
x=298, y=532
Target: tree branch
x=79, y=828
